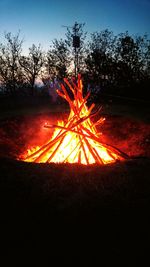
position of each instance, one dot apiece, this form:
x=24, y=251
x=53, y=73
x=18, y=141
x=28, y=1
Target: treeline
x=117, y=65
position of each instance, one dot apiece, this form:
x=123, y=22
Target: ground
x=64, y=212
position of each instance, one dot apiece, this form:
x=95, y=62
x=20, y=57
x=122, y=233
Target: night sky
x=40, y=21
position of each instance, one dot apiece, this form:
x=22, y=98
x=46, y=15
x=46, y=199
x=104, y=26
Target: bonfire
x=76, y=140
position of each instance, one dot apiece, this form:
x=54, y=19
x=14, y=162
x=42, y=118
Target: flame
x=77, y=140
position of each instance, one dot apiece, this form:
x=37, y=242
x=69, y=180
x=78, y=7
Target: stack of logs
x=87, y=148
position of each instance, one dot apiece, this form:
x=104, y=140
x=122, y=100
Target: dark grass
x=72, y=214
x=99, y=213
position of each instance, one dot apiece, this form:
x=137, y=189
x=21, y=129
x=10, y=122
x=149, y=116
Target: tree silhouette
x=32, y=65
x=10, y=73
x=100, y=58
x=116, y=64
x=57, y=59
x=77, y=53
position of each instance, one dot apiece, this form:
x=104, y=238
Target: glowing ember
x=77, y=140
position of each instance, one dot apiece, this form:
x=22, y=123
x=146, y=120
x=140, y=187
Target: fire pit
x=77, y=140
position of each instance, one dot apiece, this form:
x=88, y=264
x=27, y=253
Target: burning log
x=77, y=140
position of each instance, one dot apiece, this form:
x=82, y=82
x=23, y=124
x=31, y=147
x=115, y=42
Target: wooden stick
x=54, y=152
x=77, y=125
x=83, y=148
x=72, y=151
x=51, y=142
x=98, y=156
x=94, y=138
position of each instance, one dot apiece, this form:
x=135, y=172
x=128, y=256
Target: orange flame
x=76, y=141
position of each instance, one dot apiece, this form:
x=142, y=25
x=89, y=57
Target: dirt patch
x=74, y=209
x=19, y=133
x=129, y=135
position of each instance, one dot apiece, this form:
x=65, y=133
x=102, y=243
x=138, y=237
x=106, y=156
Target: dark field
x=72, y=214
